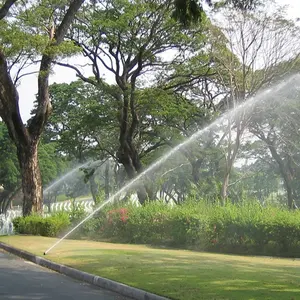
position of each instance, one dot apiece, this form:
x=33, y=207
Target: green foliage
x=45, y=226
x=9, y=167
x=77, y=212
x=52, y=164
x=30, y=31
x=188, y=12
x=247, y=228
x=81, y=113
x=99, y=198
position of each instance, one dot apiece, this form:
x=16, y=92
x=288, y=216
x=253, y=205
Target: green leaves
x=9, y=167
x=39, y=225
x=52, y=165
x=15, y=41
x=31, y=28
x=84, y=119
x=188, y=11
x=129, y=31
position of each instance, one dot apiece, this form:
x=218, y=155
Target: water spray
x=89, y=163
x=239, y=109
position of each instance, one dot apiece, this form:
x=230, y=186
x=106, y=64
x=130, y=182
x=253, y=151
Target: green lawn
x=177, y=274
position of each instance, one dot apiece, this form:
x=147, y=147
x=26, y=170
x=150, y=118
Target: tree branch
x=5, y=8
x=44, y=108
x=78, y=73
x=9, y=104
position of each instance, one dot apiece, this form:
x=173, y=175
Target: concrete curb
x=104, y=283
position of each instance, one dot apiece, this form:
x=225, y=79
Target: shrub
x=46, y=226
x=115, y=221
x=147, y=224
x=247, y=228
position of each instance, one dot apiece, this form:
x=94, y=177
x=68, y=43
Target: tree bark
x=31, y=179
x=5, y=8
x=130, y=160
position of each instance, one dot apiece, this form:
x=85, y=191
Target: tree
x=21, y=28
x=128, y=38
x=83, y=121
x=258, y=45
x=278, y=128
x=83, y=125
x=259, y=176
x=165, y=119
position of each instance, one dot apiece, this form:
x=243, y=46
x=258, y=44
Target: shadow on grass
x=191, y=277
x=182, y=274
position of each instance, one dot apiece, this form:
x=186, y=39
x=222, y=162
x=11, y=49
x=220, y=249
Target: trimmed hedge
x=245, y=229
x=241, y=229
x=45, y=226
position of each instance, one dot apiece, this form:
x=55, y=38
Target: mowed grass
x=176, y=274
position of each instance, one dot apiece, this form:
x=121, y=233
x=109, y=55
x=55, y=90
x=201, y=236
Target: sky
x=28, y=86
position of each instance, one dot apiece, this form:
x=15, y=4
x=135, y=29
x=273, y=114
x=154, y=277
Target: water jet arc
x=230, y=114
x=67, y=175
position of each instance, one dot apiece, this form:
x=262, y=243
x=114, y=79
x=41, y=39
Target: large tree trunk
x=129, y=160
x=31, y=180
x=127, y=153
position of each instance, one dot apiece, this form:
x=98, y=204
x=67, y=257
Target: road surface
x=24, y=280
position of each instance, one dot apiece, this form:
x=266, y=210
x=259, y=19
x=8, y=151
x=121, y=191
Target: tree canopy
x=174, y=69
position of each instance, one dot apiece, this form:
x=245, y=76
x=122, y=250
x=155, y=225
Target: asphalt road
x=24, y=280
